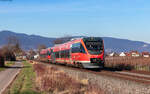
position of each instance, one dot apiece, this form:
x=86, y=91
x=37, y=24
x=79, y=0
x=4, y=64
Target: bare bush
x=12, y=49
x=8, y=54
x=93, y=89
x=127, y=63
x=40, y=47
x=31, y=54
x=50, y=79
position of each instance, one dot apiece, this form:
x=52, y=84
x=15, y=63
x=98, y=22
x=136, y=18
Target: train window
x=51, y=50
x=57, y=54
x=48, y=53
x=76, y=48
x=65, y=54
x=75, y=45
x=62, y=54
x=94, y=47
x=43, y=55
x=82, y=50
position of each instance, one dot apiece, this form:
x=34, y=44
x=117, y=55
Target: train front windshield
x=94, y=45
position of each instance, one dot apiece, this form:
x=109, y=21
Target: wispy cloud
x=68, y=7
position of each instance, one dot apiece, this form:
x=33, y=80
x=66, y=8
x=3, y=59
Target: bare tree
x=31, y=54
x=12, y=48
x=14, y=44
x=8, y=54
x=12, y=40
x=40, y=47
x=2, y=64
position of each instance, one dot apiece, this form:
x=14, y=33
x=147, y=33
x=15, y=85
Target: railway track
x=125, y=75
x=136, y=77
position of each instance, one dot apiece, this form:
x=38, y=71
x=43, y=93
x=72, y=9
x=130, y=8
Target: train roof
x=72, y=40
x=93, y=38
x=79, y=39
x=67, y=44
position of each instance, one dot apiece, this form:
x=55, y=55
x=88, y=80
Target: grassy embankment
x=24, y=83
x=7, y=64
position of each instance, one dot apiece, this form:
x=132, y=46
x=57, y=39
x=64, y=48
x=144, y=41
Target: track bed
x=116, y=82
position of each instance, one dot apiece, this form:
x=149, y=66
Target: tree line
x=10, y=50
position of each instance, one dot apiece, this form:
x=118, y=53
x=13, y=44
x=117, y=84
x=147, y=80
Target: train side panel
x=77, y=54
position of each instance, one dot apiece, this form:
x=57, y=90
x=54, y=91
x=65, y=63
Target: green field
x=1, y=69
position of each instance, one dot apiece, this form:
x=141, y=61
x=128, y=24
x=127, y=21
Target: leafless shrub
x=40, y=47
x=8, y=54
x=40, y=69
x=93, y=89
x=126, y=63
x=31, y=54
x=12, y=49
x=50, y=79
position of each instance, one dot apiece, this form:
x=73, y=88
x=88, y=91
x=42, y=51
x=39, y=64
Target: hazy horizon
x=69, y=35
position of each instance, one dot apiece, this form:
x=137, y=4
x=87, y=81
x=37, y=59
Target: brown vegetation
x=8, y=54
x=31, y=54
x=127, y=63
x=40, y=47
x=10, y=51
x=54, y=81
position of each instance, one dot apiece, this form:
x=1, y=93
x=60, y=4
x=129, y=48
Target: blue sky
x=128, y=19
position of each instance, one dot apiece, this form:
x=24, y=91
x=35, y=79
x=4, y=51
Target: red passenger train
x=85, y=52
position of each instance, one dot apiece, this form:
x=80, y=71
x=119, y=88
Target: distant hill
x=111, y=44
x=26, y=41
x=124, y=45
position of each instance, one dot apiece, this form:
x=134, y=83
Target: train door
x=53, y=56
x=75, y=50
x=70, y=55
x=49, y=55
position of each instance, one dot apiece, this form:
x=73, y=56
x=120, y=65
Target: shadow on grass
x=29, y=92
x=16, y=67
x=119, y=67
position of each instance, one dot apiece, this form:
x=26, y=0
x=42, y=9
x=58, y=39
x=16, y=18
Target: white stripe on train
x=73, y=61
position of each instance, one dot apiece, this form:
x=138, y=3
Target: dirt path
x=7, y=76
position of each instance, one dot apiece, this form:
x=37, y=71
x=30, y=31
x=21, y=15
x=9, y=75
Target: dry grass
x=127, y=63
x=53, y=81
